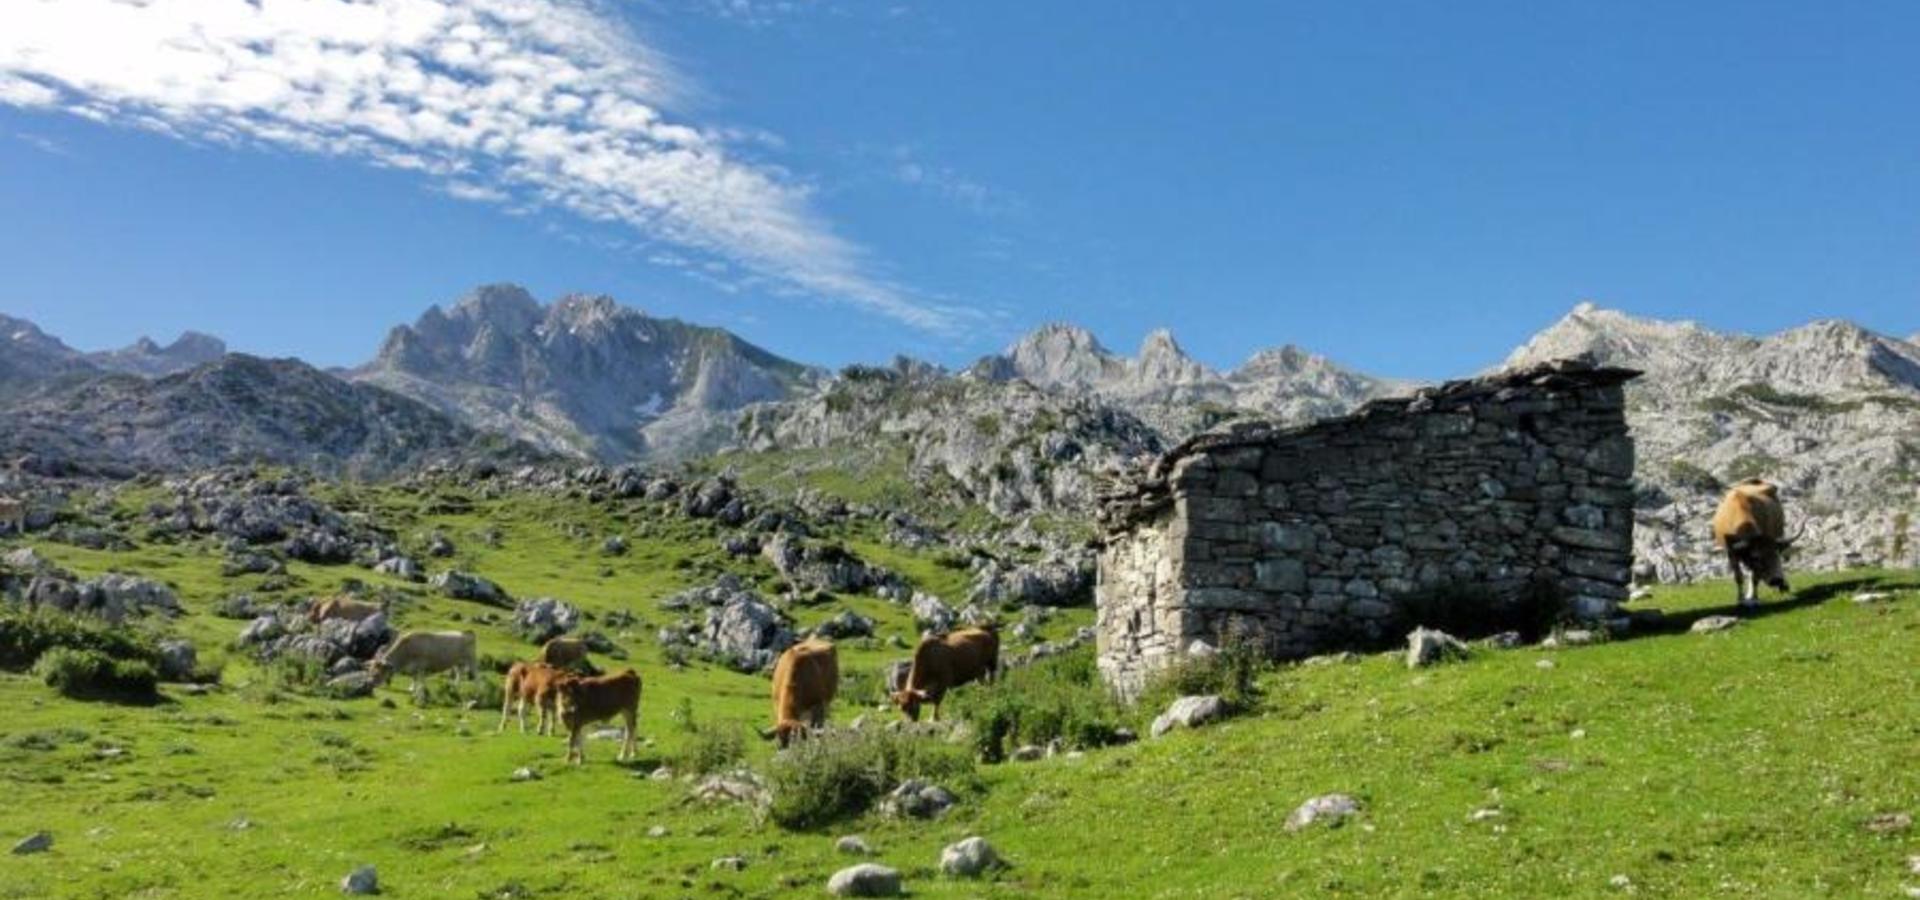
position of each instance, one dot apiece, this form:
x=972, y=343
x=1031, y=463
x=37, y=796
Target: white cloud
x=502, y=101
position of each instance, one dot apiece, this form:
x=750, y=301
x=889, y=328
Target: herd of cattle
x=1749, y=525
x=564, y=693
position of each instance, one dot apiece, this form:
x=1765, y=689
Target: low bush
x=1231, y=673
x=92, y=675
x=1058, y=698
x=841, y=773
x=25, y=636
x=712, y=747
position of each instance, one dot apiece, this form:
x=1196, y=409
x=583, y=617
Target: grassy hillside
x=1744, y=764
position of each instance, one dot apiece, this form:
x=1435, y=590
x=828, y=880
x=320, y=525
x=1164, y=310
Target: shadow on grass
x=1807, y=597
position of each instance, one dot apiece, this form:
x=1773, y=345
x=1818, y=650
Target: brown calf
x=586, y=700
x=531, y=681
x=944, y=662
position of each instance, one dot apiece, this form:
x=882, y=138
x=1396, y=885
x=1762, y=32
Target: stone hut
x=1493, y=492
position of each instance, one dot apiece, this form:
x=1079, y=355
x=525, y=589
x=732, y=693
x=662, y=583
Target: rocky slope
x=1011, y=446
x=237, y=410
x=585, y=376
x=1829, y=410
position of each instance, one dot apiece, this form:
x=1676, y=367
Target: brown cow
x=584, y=700
x=13, y=515
x=341, y=607
x=1751, y=526
x=805, y=678
x=564, y=652
x=944, y=662
x=531, y=681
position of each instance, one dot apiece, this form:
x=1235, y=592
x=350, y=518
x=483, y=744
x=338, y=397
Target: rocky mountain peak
x=1162, y=361
x=507, y=307
x=147, y=357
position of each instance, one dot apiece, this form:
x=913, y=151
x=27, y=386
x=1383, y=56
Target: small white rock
x=1711, y=624
x=969, y=858
x=853, y=845
x=730, y=863
x=865, y=880
x=524, y=774
x=1328, y=808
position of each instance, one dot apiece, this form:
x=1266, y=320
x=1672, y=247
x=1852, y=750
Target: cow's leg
x=506, y=703
x=1739, y=583
x=577, y=747
x=630, y=747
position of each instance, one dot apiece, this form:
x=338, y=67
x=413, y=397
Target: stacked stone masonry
x=1308, y=539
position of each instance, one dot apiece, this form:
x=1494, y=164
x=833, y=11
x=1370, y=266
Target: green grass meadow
x=1748, y=763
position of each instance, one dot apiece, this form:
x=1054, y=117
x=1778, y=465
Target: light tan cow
x=342, y=607
x=1751, y=526
x=422, y=653
x=564, y=652
x=944, y=662
x=13, y=515
x=805, y=678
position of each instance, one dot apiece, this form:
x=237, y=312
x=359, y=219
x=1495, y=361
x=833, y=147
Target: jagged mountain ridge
x=1829, y=410
x=238, y=409
x=29, y=356
x=1176, y=393
x=584, y=376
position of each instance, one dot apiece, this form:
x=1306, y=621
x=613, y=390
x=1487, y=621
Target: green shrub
x=1058, y=698
x=1231, y=673
x=713, y=747
x=92, y=675
x=25, y=636
x=841, y=773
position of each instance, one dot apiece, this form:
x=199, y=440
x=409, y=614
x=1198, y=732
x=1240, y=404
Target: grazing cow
x=1751, y=526
x=536, y=682
x=564, y=652
x=420, y=653
x=13, y=515
x=342, y=607
x=805, y=678
x=584, y=700
x=944, y=662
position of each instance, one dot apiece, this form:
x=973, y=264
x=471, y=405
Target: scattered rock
x=614, y=545
x=1711, y=624
x=1872, y=597
x=1572, y=637
x=1027, y=753
x=735, y=787
x=1189, y=712
x=524, y=774
x=363, y=880
x=848, y=624
x=178, y=659
x=747, y=631
x=730, y=863
x=542, y=619
x=865, y=880
x=351, y=686
x=1890, y=823
x=969, y=858
x=1331, y=809
x=1620, y=883
x=932, y=613
x=37, y=842
x=852, y=845
x=657, y=831
x=916, y=799
x=402, y=567
x=1427, y=646
x=1543, y=664
x=465, y=586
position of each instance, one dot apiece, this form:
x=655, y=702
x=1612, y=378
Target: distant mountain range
x=29, y=356
x=1829, y=409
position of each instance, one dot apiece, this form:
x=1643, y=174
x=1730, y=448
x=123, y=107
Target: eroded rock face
x=542, y=619
x=747, y=631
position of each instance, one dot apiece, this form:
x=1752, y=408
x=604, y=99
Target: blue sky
x=1411, y=188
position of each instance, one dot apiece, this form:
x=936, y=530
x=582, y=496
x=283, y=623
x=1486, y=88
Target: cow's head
x=379, y=669
x=783, y=732
x=566, y=700
x=909, y=700
x=1763, y=557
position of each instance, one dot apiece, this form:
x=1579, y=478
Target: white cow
x=421, y=653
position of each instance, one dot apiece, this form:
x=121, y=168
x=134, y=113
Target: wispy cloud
x=513, y=102
x=948, y=184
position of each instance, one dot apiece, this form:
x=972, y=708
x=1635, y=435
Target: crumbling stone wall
x=1312, y=538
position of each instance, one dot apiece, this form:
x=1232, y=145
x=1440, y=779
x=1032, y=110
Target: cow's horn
x=1797, y=534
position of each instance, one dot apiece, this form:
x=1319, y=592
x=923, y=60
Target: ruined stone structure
x=1318, y=537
